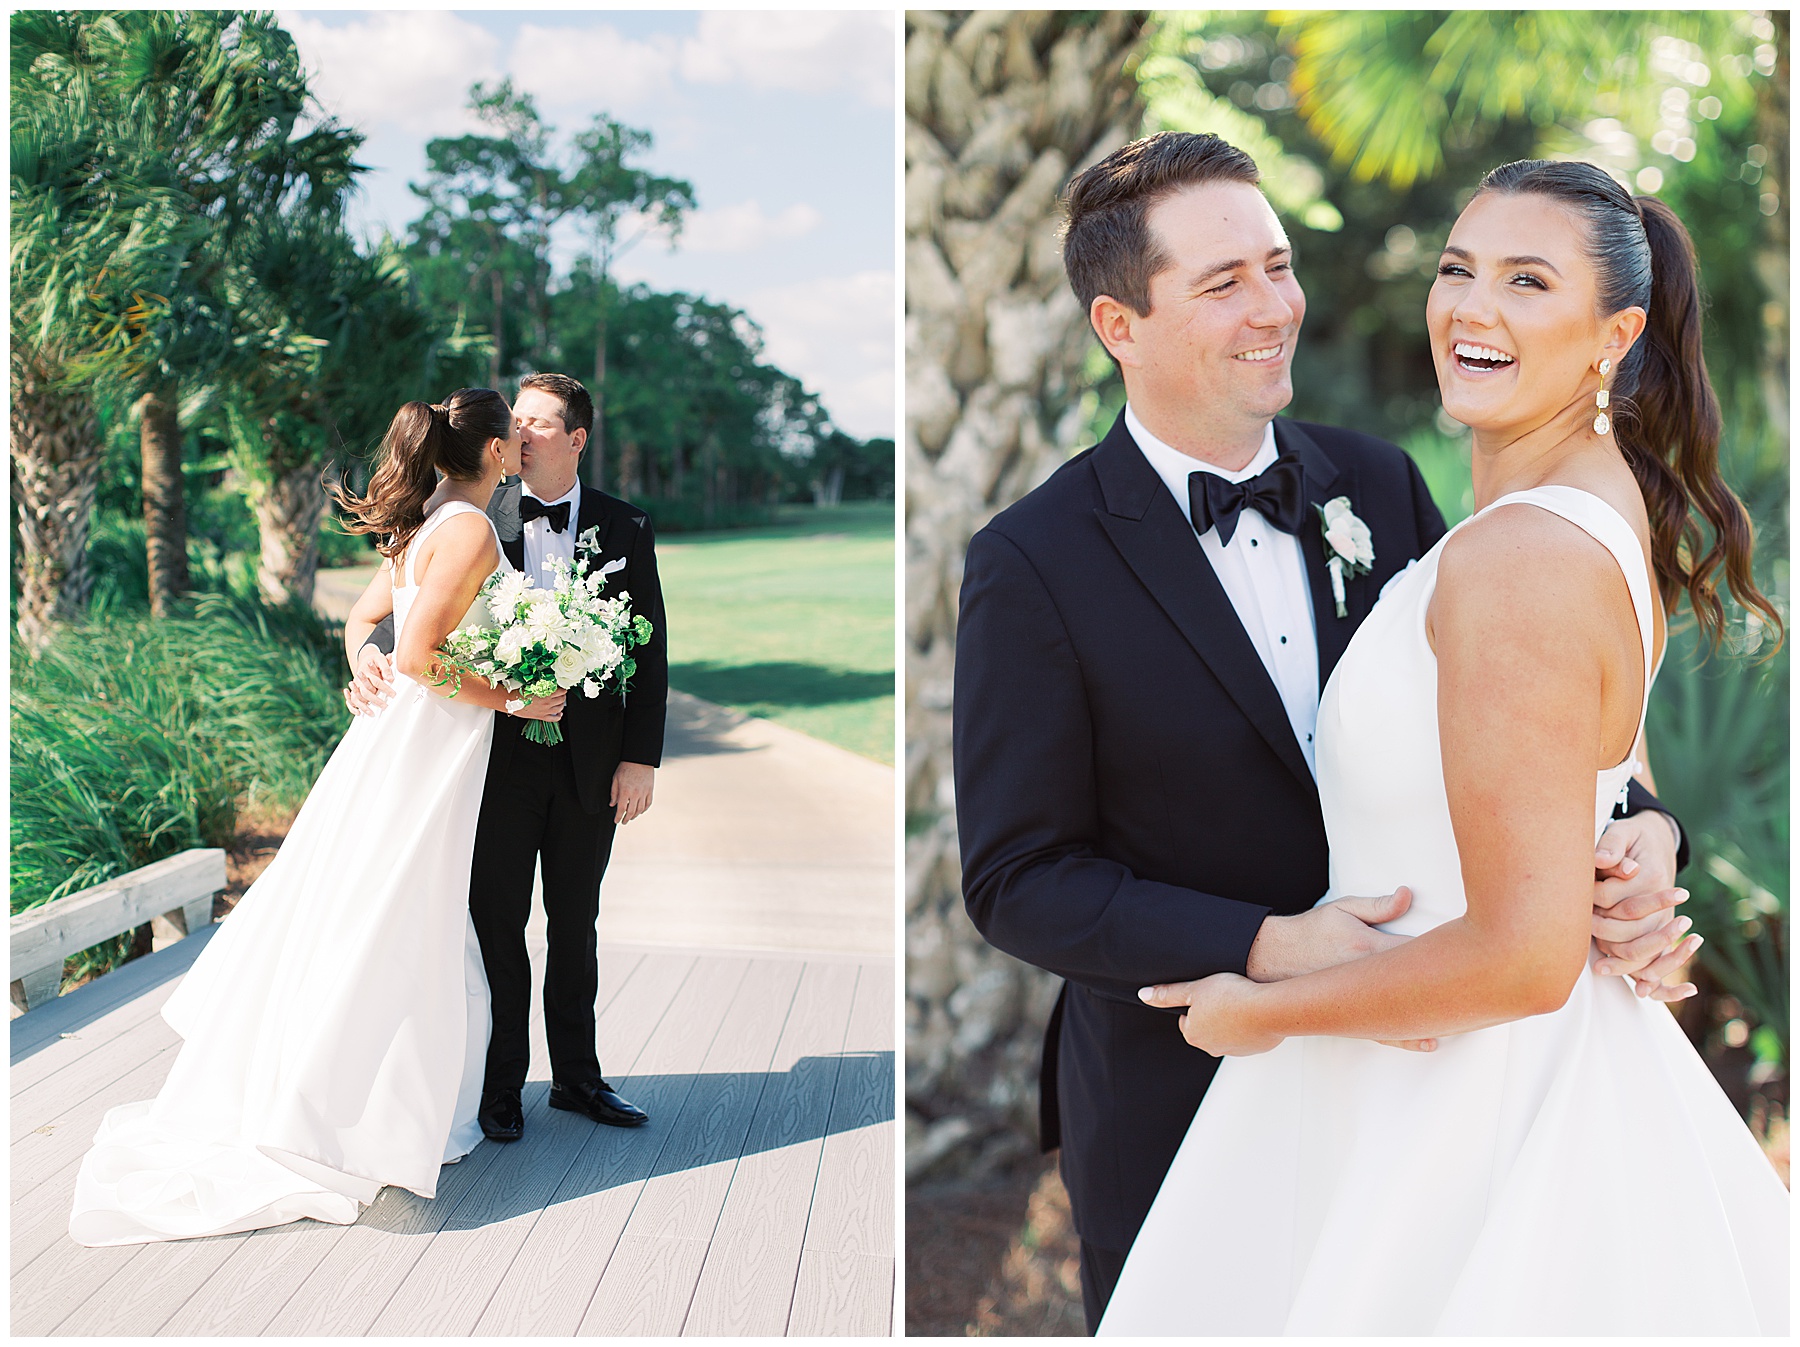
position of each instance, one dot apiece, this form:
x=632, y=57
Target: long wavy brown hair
x=1665, y=414
x=423, y=440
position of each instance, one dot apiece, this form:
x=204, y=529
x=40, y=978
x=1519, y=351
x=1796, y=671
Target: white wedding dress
x=1572, y=1173
x=335, y=1028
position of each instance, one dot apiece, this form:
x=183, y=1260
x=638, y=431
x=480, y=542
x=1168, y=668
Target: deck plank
x=89, y=1077
x=847, y=1271
x=252, y=1286
x=655, y=1278
x=51, y=1145
x=682, y=1199
x=552, y=1279
x=41, y=1218
x=59, y=1281
x=724, y=1215
x=854, y=1210
x=843, y=1295
x=148, y=1291
x=95, y=1036
x=747, y=1284
x=352, y=1284
x=74, y=1011
x=450, y=1286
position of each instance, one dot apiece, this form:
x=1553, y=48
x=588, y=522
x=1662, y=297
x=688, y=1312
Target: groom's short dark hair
x=578, y=407
x=1108, y=248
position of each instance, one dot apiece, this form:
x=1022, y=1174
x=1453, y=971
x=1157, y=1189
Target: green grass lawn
x=794, y=622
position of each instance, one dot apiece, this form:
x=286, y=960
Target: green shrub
x=1718, y=738
x=134, y=739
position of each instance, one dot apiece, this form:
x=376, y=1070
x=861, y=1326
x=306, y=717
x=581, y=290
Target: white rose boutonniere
x=1349, y=546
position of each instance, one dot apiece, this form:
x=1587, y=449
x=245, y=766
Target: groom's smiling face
x=1217, y=347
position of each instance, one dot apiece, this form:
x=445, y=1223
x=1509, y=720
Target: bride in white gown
x=1471, y=744
x=335, y=1028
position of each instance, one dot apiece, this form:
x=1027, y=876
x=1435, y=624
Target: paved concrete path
x=759, y=837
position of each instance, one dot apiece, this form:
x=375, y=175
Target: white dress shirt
x=1264, y=576
x=543, y=542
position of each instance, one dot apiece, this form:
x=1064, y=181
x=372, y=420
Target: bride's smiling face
x=1515, y=334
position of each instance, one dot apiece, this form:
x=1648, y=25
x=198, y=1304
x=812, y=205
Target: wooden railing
x=175, y=896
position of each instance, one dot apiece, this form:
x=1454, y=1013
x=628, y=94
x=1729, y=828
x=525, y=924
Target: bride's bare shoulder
x=1518, y=567
x=464, y=541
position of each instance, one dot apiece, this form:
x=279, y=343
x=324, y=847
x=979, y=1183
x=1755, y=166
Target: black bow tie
x=1277, y=493
x=557, y=515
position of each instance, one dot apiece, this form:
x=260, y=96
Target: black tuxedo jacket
x=1131, y=799
x=602, y=732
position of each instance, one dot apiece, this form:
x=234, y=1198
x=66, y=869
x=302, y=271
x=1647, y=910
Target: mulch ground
x=260, y=832
x=997, y=1260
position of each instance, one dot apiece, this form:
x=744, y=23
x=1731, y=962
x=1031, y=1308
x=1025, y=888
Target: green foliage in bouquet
x=538, y=642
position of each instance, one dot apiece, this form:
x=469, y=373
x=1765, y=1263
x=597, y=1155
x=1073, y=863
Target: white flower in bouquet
x=505, y=594
x=538, y=641
x=545, y=621
x=511, y=645
x=571, y=666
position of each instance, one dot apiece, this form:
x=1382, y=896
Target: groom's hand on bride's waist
x=1324, y=936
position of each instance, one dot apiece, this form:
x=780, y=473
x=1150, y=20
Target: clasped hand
x=372, y=688
x=1635, y=930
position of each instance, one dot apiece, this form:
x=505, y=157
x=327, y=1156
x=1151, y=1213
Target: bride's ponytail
x=1669, y=426
x=1666, y=416
x=423, y=440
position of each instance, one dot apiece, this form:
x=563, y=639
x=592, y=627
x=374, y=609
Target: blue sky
x=783, y=121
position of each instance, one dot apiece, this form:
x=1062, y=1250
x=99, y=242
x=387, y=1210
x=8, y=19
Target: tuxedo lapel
x=1324, y=480
x=1147, y=528
x=515, y=551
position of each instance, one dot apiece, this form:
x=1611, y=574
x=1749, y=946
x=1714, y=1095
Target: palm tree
x=330, y=342
x=91, y=270
x=1002, y=108
x=204, y=107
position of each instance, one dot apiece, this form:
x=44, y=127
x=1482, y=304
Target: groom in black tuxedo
x=554, y=806
x=1141, y=645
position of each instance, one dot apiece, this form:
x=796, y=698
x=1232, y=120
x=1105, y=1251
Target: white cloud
x=409, y=70
x=805, y=50
x=836, y=335
x=743, y=228
x=589, y=66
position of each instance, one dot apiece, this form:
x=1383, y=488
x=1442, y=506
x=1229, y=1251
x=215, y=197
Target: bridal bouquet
x=535, y=641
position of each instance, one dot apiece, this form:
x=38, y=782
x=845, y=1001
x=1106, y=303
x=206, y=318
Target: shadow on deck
x=759, y=1198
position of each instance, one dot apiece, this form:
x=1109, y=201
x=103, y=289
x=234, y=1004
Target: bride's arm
x=453, y=564
x=1524, y=623
x=375, y=603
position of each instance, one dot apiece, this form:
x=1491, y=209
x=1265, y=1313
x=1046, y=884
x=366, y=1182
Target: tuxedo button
x=1284, y=640
x=1253, y=542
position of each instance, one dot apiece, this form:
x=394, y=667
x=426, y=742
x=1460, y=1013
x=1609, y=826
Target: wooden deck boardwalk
x=759, y=1199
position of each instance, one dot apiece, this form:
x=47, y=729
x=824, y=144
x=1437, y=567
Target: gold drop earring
x=1601, y=424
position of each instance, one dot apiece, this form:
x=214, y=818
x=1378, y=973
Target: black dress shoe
x=502, y=1117
x=597, y=1099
